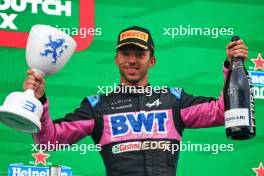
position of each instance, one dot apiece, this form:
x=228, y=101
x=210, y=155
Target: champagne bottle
x=239, y=101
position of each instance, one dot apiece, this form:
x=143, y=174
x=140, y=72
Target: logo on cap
x=134, y=34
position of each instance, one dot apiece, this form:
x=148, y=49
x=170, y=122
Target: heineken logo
x=258, y=63
x=256, y=72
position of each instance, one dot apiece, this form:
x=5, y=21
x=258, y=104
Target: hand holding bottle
x=236, y=49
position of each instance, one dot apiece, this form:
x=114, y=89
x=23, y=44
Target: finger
x=28, y=85
x=42, y=82
x=239, y=51
x=30, y=72
x=35, y=76
x=39, y=77
x=31, y=78
x=32, y=82
x=240, y=47
x=239, y=42
x=230, y=45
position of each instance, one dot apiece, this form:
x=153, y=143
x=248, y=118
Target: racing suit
x=134, y=129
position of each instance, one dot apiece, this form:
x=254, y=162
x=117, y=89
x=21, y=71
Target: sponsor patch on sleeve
x=176, y=92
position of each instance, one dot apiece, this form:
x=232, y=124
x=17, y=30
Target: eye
x=140, y=54
x=125, y=53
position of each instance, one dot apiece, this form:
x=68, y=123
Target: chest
x=136, y=118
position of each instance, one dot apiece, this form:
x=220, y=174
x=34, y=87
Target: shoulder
x=93, y=100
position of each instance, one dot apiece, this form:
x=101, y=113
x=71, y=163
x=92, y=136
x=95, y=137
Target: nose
x=131, y=58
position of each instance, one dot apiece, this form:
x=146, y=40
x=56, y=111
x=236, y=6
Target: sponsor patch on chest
x=138, y=123
x=127, y=126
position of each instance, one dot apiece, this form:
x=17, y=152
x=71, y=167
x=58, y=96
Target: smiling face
x=134, y=63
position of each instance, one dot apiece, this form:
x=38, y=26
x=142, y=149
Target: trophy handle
x=39, y=72
x=30, y=92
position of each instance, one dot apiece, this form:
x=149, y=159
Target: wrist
x=227, y=63
x=43, y=99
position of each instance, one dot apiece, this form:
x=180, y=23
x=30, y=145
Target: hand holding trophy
x=48, y=50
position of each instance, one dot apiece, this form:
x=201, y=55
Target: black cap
x=135, y=36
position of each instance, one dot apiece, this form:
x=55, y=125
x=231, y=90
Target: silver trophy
x=48, y=50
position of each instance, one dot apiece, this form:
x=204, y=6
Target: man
x=134, y=129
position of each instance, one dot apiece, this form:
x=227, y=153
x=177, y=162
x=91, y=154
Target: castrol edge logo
x=140, y=145
x=11, y=9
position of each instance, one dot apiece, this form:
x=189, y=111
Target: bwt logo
x=138, y=123
x=48, y=7
x=55, y=48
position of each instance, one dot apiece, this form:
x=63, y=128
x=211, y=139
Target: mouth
x=132, y=70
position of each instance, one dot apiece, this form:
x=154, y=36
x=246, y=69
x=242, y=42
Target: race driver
x=134, y=128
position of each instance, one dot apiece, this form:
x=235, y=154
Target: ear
x=152, y=61
x=116, y=59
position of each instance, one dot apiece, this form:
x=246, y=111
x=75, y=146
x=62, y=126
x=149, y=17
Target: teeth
x=131, y=68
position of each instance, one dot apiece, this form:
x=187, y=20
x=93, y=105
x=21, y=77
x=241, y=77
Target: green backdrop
x=191, y=62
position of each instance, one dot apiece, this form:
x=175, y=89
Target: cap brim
x=132, y=43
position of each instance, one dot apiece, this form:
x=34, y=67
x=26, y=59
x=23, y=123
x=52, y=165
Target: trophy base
x=21, y=121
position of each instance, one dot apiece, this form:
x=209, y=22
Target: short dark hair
x=151, y=52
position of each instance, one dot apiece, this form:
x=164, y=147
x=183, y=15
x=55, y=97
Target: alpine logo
x=138, y=123
x=155, y=103
x=55, y=48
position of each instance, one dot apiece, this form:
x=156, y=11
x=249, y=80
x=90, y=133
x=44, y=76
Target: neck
x=142, y=82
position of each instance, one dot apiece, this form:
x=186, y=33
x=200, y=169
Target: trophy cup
x=48, y=50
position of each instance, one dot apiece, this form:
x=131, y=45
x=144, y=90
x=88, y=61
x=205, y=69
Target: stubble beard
x=133, y=81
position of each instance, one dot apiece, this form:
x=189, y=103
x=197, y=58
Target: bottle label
x=252, y=113
x=237, y=117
